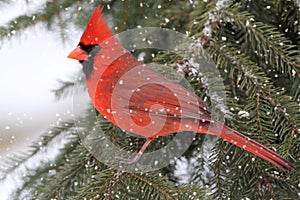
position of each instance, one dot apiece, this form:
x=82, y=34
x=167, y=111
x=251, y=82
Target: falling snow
x=243, y=113
x=13, y=180
x=141, y=56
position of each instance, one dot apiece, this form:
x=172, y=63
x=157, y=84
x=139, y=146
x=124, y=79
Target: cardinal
x=136, y=98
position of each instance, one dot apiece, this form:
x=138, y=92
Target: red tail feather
x=254, y=147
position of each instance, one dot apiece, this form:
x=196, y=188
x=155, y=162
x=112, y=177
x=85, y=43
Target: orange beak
x=78, y=54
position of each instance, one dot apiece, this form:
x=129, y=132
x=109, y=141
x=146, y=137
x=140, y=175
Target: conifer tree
x=256, y=48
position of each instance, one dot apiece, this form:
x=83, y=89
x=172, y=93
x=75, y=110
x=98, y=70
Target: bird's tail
x=248, y=144
x=254, y=147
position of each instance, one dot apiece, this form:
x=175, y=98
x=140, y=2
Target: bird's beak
x=78, y=54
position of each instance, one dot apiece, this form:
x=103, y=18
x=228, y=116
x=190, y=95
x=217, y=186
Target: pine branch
x=35, y=148
x=247, y=76
x=39, y=176
x=51, y=10
x=66, y=88
x=111, y=184
x=267, y=105
x=202, y=21
x=266, y=43
x=70, y=175
x=284, y=15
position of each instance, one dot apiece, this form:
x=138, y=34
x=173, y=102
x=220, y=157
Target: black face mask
x=88, y=65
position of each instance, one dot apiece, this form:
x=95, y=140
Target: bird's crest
x=97, y=29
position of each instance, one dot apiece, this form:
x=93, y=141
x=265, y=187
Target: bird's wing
x=152, y=93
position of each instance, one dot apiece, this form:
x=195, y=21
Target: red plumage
x=96, y=34
x=123, y=88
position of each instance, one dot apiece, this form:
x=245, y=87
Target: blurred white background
x=31, y=64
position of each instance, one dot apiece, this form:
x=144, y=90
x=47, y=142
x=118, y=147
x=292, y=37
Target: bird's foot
x=131, y=160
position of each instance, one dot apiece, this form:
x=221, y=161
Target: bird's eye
x=87, y=48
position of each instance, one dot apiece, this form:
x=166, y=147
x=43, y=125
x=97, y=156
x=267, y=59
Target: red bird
x=136, y=98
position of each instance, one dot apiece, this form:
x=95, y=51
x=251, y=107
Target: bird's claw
x=131, y=160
